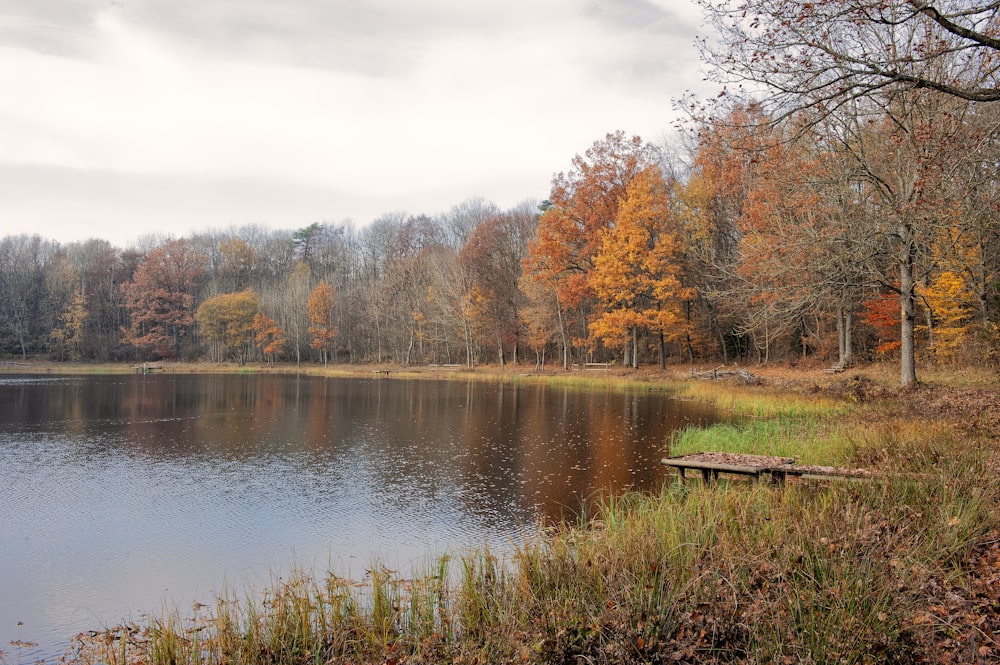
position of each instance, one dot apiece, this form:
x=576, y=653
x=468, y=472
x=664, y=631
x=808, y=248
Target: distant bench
x=777, y=468
x=593, y=366
x=449, y=366
x=148, y=368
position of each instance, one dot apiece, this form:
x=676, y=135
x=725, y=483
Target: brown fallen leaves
x=961, y=621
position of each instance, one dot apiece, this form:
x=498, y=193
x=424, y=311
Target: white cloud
x=427, y=103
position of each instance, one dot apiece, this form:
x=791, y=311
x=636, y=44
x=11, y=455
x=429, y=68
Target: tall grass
x=757, y=402
x=594, y=381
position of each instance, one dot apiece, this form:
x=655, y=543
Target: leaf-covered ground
x=963, y=614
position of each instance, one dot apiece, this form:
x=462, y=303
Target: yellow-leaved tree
x=636, y=273
x=225, y=323
x=67, y=337
x=952, y=307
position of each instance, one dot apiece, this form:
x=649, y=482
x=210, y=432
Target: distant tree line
x=851, y=214
x=406, y=289
x=750, y=245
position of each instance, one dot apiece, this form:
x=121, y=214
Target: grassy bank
x=895, y=569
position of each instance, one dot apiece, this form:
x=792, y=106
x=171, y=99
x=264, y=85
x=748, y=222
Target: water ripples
x=118, y=494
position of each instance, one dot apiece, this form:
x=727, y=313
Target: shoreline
x=937, y=515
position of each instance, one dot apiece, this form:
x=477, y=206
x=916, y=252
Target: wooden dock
x=776, y=468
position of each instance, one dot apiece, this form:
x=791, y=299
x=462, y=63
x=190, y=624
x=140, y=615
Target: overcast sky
x=131, y=117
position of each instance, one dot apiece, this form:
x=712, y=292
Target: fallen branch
x=718, y=373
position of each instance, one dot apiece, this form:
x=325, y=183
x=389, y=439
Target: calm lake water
x=121, y=495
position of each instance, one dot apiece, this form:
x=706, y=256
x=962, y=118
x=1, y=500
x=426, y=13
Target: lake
x=121, y=495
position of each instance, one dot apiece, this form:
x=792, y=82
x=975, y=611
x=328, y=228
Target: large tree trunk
x=562, y=335
x=635, y=348
x=713, y=322
x=21, y=342
x=848, y=337
x=845, y=334
x=467, y=333
x=907, y=302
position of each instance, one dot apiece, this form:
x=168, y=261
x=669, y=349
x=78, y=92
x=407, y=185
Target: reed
x=591, y=381
x=761, y=402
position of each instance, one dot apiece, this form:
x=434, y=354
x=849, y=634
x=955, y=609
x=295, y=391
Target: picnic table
x=754, y=466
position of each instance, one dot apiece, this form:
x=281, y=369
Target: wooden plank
x=754, y=465
x=710, y=466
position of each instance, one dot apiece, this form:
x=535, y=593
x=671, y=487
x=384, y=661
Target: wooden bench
x=147, y=368
x=835, y=368
x=776, y=468
x=592, y=366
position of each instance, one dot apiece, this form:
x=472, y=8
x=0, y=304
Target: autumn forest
x=840, y=207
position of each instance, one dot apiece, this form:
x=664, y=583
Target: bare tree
x=876, y=68
x=462, y=219
x=822, y=54
x=23, y=264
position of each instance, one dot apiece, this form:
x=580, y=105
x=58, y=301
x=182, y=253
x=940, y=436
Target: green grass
x=809, y=441
x=811, y=428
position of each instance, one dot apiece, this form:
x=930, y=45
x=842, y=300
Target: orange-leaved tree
x=269, y=336
x=493, y=255
x=581, y=205
x=160, y=298
x=67, y=337
x=803, y=246
x=882, y=313
x=636, y=273
x=322, y=325
x=707, y=209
